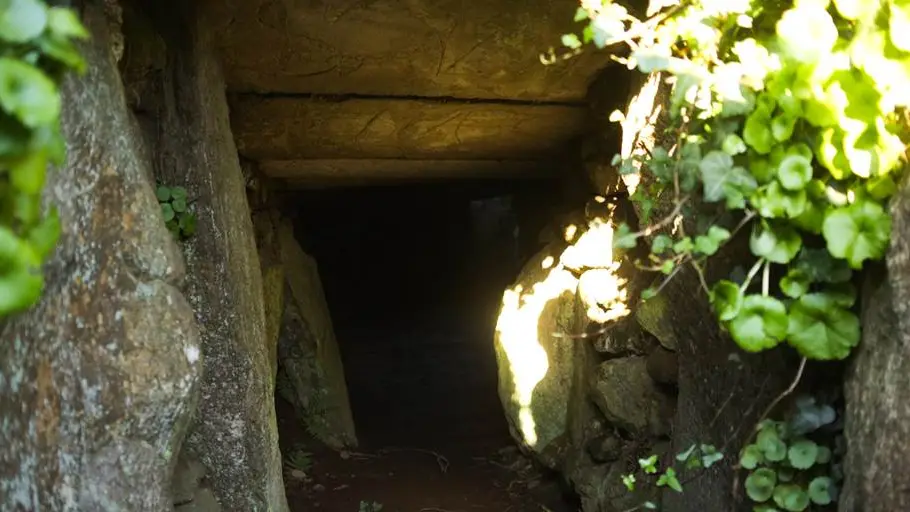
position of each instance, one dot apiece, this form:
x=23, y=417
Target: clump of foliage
x=788, y=118
x=37, y=50
x=788, y=469
x=299, y=459
x=697, y=456
x=175, y=208
x=366, y=506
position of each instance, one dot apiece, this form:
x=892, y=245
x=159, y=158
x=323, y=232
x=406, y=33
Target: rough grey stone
x=187, y=475
x=234, y=433
x=663, y=366
x=630, y=399
x=203, y=501
x=878, y=414
x=606, y=448
x=98, y=381
x=309, y=352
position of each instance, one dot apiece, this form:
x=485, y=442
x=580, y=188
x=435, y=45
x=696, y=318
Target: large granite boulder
x=234, y=433
x=99, y=380
x=308, y=351
x=878, y=413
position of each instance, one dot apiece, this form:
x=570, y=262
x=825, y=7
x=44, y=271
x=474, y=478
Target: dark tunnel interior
x=413, y=276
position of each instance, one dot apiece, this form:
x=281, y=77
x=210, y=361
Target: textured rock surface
x=234, y=433
x=308, y=350
x=98, y=381
x=878, y=413
x=630, y=399
x=433, y=48
x=290, y=128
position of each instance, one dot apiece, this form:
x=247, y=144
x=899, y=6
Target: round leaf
x=760, y=484
x=28, y=93
x=802, y=454
x=761, y=323
x=771, y=445
x=776, y=243
x=167, y=212
x=64, y=23
x=820, y=329
x=795, y=283
x=821, y=490
x=179, y=205
x=752, y=456
x=794, y=172
x=178, y=193
x=727, y=300
x=823, y=456
x=22, y=20
x=163, y=193
x=791, y=497
x=858, y=232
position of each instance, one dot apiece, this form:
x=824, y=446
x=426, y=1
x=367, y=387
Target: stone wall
x=99, y=380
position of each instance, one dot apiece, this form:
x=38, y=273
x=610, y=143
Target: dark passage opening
x=413, y=276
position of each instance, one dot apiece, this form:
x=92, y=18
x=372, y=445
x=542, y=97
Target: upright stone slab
x=98, y=381
x=878, y=381
x=234, y=433
x=309, y=352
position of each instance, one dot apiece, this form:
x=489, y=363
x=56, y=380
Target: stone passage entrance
x=413, y=277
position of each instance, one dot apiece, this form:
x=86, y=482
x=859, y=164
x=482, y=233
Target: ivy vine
x=788, y=119
x=36, y=51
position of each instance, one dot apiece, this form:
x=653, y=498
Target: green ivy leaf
x=775, y=243
x=760, y=484
x=27, y=93
x=629, y=482
x=795, y=284
x=727, y=299
x=820, y=329
x=167, y=211
x=670, y=480
x=710, y=455
x=649, y=465
x=571, y=41
x=752, y=456
x=821, y=490
x=761, y=323
x=685, y=454
x=791, y=497
x=802, y=454
x=661, y=244
x=709, y=243
x=64, y=23
x=858, y=232
x=22, y=20
x=723, y=180
x=624, y=238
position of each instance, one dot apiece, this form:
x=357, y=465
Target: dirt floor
x=411, y=478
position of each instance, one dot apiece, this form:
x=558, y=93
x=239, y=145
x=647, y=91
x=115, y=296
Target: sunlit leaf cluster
x=788, y=469
x=36, y=50
x=788, y=120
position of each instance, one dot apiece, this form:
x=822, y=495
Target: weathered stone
x=603, y=295
x=653, y=317
x=309, y=352
x=187, y=475
x=878, y=413
x=593, y=248
x=536, y=362
x=203, y=501
x=629, y=399
x=265, y=224
x=98, y=380
x=234, y=433
x=290, y=128
x=606, y=448
x=624, y=338
x=429, y=48
x=663, y=366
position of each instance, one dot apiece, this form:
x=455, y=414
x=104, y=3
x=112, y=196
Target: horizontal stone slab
x=292, y=128
x=377, y=171
x=479, y=49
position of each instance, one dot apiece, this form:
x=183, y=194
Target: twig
x=787, y=392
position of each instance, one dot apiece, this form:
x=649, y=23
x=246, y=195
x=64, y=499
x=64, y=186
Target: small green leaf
x=775, y=243
x=571, y=41
x=649, y=464
x=163, y=193
x=819, y=266
x=648, y=293
x=760, y=484
x=752, y=456
x=820, y=329
x=761, y=323
x=629, y=481
x=734, y=145
x=650, y=505
x=661, y=243
x=624, y=238
x=727, y=299
x=802, y=454
x=667, y=267
x=670, y=480
x=167, y=211
x=188, y=225
x=179, y=205
x=685, y=454
x=27, y=93
x=794, y=172
x=710, y=455
x=771, y=445
x=795, y=283
x=723, y=180
x=22, y=20
x=821, y=490
x=782, y=126
x=791, y=498
x=64, y=23
x=858, y=232
x=581, y=14
x=823, y=456
x=709, y=243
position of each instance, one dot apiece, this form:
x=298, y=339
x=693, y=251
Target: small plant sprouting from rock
x=175, y=207
x=788, y=469
x=367, y=506
x=696, y=457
